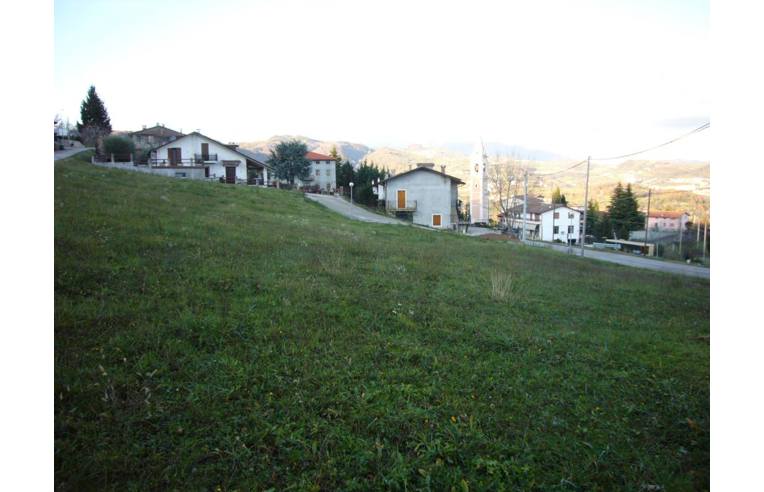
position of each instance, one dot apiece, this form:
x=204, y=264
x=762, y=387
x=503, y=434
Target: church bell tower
x=478, y=185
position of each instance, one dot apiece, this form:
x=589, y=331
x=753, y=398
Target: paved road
x=640, y=262
x=343, y=207
x=66, y=153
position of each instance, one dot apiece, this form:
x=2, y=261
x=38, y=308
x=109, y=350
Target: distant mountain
x=348, y=150
x=676, y=185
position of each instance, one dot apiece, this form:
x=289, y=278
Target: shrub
x=119, y=146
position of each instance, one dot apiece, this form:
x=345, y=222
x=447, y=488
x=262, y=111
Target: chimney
x=443, y=169
x=144, y=127
x=232, y=146
x=409, y=167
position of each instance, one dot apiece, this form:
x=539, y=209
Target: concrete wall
x=192, y=144
x=433, y=193
x=564, y=221
x=324, y=174
x=173, y=172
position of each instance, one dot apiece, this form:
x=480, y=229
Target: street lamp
x=351, y=191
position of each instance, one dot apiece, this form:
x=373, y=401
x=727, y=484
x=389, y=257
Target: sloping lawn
x=212, y=336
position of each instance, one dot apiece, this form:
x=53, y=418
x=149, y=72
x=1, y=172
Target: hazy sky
x=577, y=78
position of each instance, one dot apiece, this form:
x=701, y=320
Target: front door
x=401, y=198
x=230, y=175
x=205, y=151
x=173, y=155
x=207, y=171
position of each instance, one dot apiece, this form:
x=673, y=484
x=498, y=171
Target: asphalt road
x=639, y=261
x=66, y=153
x=343, y=207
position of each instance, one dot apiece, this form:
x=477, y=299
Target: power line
x=563, y=170
x=702, y=127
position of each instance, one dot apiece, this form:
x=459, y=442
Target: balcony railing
x=409, y=206
x=206, y=158
x=176, y=162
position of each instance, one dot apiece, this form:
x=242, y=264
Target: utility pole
x=681, y=233
x=705, y=233
x=647, y=219
x=586, y=204
x=525, y=203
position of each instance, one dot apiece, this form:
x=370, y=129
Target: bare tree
x=505, y=175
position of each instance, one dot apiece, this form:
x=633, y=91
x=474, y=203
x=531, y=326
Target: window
x=570, y=229
x=557, y=215
x=570, y=215
x=556, y=229
x=436, y=220
x=318, y=172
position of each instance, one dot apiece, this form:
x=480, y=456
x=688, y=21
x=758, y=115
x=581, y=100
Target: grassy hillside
x=230, y=338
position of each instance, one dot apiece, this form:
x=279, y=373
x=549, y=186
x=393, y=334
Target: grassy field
x=213, y=337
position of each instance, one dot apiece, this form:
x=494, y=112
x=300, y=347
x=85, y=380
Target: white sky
x=577, y=78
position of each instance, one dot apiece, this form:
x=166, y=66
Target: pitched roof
x=426, y=169
x=244, y=153
x=158, y=131
x=666, y=215
x=315, y=156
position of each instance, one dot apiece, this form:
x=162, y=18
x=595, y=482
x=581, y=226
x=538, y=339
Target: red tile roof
x=666, y=215
x=315, y=156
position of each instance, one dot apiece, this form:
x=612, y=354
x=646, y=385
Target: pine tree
x=623, y=212
x=93, y=113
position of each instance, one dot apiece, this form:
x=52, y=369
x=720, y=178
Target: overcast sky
x=576, y=78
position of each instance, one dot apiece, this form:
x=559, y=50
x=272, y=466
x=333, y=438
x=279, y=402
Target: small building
x=667, y=221
x=196, y=155
x=151, y=138
x=544, y=221
x=322, y=174
x=428, y=196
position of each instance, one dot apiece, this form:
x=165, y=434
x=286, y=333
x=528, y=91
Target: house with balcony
x=198, y=156
x=428, y=196
x=543, y=221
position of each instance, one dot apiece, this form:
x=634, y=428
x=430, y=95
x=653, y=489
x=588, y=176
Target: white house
x=543, y=221
x=192, y=154
x=667, y=221
x=428, y=195
x=323, y=172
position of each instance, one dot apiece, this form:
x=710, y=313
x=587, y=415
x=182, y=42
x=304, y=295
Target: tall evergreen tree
x=623, y=212
x=558, y=197
x=288, y=160
x=93, y=114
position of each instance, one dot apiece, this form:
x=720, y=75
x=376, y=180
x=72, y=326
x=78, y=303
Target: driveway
x=636, y=261
x=344, y=207
x=67, y=153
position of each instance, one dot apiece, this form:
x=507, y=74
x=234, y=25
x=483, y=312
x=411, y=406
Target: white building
x=543, y=221
x=667, y=221
x=194, y=152
x=428, y=195
x=478, y=186
x=323, y=172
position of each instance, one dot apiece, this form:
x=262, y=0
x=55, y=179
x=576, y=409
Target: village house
x=428, y=196
x=198, y=156
x=667, y=221
x=151, y=138
x=322, y=173
x=544, y=221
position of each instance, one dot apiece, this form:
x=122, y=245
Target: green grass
x=211, y=336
